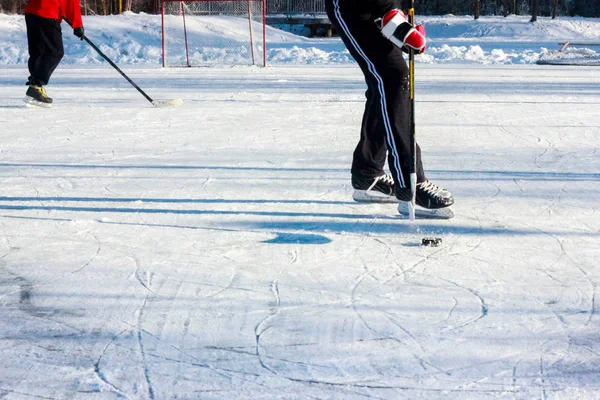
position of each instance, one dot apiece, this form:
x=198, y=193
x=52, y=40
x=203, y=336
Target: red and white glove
x=399, y=31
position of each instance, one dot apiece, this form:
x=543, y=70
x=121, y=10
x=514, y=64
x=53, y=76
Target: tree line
x=571, y=8
x=476, y=8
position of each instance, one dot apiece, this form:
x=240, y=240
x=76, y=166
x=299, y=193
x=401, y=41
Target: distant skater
x=376, y=32
x=44, y=38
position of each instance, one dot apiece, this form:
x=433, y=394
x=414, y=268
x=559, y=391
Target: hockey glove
x=399, y=31
x=79, y=32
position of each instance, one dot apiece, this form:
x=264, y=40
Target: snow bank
x=570, y=56
x=135, y=39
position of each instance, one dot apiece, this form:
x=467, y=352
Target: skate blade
x=29, y=102
x=372, y=196
x=425, y=213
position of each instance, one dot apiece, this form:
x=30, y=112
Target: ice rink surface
x=213, y=251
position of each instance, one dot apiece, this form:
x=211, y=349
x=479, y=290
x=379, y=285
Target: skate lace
x=385, y=178
x=430, y=188
x=43, y=91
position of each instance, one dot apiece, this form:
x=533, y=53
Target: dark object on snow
x=431, y=241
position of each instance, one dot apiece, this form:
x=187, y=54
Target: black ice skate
x=432, y=201
x=378, y=189
x=37, y=96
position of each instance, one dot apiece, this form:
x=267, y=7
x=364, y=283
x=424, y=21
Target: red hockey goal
x=213, y=32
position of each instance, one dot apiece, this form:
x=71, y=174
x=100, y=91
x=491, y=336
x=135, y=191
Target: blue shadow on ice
x=397, y=225
x=297, y=238
x=191, y=212
x=456, y=174
x=173, y=201
x=169, y=167
x=359, y=223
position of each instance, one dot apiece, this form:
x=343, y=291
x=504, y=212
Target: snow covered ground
x=213, y=251
x=132, y=38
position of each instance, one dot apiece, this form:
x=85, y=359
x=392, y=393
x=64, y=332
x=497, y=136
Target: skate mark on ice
x=293, y=260
x=397, y=263
x=146, y=283
x=98, y=247
x=542, y=378
x=537, y=158
x=275, y=291
x=451, y=309
x=402, y=274
x=484, y=379
x=593, y=285
x=514, y=374
x=594, y=288
x=205, y=188
x=259, y=330
x=227, y=373
x=98, y=371
x=35, y=396
x=355, y=298
x=252, y=352
x=219, y=288
x=483, y=306
x=142, y=349
x=339, y=385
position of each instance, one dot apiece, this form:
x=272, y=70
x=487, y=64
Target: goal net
x=213, y=32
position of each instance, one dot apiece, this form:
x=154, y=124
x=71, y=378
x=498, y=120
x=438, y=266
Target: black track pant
x=44, y=38
x=386, y=120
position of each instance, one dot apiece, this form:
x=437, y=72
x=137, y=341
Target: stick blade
x=167, y=103
x=425, y=213
x=412, y=206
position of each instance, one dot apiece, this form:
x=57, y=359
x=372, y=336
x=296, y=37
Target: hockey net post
x=213, y=32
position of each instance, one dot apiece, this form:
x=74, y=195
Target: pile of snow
x=570, y=56
x=135, y=38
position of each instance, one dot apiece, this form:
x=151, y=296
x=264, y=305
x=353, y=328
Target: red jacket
x=56, y=9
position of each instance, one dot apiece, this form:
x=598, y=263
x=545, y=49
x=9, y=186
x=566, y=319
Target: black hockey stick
x=413, y=134
x=168, y=103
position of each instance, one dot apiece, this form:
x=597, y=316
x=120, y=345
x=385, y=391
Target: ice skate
x=379, y=189
x=37, y=96
x=432, y=201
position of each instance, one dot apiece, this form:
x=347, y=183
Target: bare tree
x=555, y=9
x=476, y=6
x=505, y=10
x=534, y=10
x=12, y=6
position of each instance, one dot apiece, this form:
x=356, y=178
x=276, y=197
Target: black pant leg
x=44, y=38
x=387, y=112
x=371, y=151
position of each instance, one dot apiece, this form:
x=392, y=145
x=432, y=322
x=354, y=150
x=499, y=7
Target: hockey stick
x=168, y=103
x=413, y=135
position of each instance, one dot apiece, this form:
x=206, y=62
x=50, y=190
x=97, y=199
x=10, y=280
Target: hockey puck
x=431, y=241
